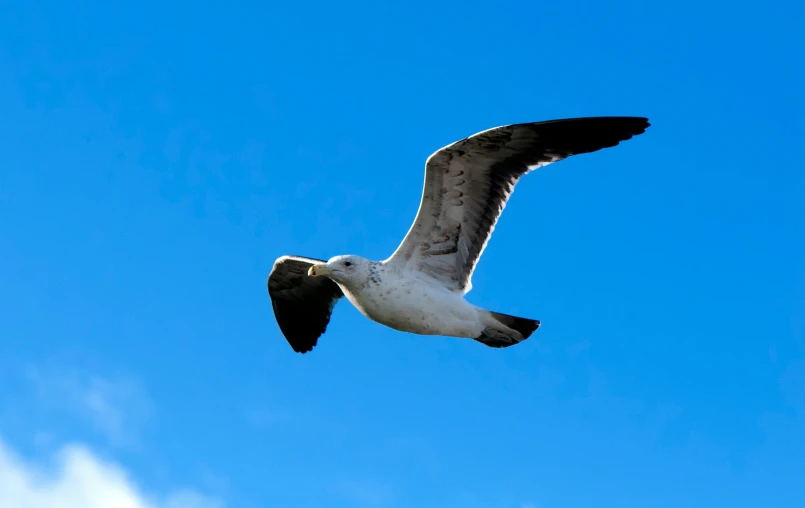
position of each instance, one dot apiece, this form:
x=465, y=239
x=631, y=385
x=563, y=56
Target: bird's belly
x=419, y=309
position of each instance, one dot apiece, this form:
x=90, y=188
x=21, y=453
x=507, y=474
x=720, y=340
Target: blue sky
x=157, y=158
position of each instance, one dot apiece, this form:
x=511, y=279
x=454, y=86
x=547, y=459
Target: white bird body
x=406, y=301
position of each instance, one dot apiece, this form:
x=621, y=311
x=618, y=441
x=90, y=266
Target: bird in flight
x=420, y=288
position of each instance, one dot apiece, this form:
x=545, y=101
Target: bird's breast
x=411, y=306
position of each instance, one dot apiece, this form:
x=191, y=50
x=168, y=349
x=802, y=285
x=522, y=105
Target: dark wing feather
x=468, y=183
x=302, y=304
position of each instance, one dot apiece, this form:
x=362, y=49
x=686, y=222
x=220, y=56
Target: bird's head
x=348, y=270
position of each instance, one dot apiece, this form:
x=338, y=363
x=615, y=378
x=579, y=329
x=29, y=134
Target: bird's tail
x=503, y=330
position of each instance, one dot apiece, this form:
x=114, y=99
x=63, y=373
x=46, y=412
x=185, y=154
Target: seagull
x=421, y=287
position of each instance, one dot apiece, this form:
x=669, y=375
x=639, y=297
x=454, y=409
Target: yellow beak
x=319, y=270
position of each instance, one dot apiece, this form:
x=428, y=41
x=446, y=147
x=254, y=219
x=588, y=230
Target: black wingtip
x=302, y=350
x=641, y=123
x=590, y=134
x=302, y=305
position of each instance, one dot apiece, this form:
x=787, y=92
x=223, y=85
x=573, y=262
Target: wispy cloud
x=113, y=404
x=76, y=478
x=116, y=407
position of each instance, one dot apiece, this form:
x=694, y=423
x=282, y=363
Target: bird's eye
x=347, y=263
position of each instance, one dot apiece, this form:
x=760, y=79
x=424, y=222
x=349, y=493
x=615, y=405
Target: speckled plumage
x=420, y=288
x=404, y=300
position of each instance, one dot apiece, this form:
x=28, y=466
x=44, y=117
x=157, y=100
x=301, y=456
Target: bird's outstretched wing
x=302, y=304
x=468, y=183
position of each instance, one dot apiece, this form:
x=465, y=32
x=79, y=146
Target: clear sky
x=156, y=158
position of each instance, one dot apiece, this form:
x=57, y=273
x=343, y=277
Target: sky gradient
x=155, y=159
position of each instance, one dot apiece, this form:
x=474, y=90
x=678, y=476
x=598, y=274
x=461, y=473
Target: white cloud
x=77, y=478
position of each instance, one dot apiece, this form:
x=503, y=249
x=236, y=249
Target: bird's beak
x=319, y=270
